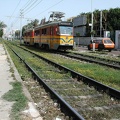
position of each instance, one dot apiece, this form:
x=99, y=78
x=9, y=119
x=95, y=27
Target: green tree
x=1, y=32
x=17, y=33
x=110, y=20
x=114, y=19
x=2, y=25
x=30, y=25
x=35, y=22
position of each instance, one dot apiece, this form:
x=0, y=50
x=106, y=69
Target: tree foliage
x=17, y=33
x=30, y=25
x=1, y=32
x=114, y=18
x=2, y=25
x=110, y=20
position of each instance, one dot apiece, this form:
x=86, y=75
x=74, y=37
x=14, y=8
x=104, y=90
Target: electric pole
x=91, y=21
x=100, y=23
x=21, y=16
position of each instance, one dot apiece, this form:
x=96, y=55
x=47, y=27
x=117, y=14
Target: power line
x=27, y=4
x=15, y=8
x=30, y=5
x=34, y=6
x=14, y=11
x=49, y=7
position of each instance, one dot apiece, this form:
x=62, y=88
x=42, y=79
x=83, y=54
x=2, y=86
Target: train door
x=51, y=37
x=32, y=37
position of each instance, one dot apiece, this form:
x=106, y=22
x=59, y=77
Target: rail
x=63, y=104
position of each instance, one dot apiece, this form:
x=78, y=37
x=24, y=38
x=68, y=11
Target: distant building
x=80, y=25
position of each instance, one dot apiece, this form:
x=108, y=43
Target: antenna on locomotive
x=56, y=16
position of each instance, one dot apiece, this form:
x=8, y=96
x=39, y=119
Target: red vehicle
x=102, y=44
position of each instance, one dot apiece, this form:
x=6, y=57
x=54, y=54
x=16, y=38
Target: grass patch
x=16, y=95
x=19, y=65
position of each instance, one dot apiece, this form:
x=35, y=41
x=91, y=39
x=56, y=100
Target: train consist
x=55, y=34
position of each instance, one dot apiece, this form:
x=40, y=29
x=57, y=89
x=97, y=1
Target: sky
x=10, y=10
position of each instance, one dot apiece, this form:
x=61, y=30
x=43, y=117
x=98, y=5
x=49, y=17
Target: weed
x=16, y=95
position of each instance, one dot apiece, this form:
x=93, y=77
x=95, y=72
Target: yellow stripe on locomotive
x=64, y=40
x=57, y=42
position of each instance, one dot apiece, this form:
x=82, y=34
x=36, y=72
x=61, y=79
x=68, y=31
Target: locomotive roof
x=66, y=23
x=29, y=30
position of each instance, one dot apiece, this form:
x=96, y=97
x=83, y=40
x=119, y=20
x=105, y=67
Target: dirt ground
x=5, y=79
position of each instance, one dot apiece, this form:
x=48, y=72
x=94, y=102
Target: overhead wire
x=49, y=8
x=45, y=9
x=15, y=8
x=24, y=7
x=34, y=6
x=30, y=5
x=14, y=11
x=27, y=4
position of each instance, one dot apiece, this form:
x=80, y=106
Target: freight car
x=56, y=35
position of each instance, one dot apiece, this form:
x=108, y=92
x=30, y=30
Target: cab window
x=97, y=41
x=65, y=30
x=107, y=41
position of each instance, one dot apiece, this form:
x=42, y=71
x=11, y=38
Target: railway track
x=81, y=96
x=92, y=59
x=107, y=60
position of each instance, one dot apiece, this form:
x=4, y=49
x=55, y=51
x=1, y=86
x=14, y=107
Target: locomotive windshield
x=65, y=30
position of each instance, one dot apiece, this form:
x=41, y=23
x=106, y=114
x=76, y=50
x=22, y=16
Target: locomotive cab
x=65, y=32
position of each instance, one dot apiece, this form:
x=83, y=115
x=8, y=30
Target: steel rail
x=66, y=108
x=95, y=57
x=91, y=82
x=93, y=61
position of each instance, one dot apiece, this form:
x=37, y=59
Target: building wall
x=82, y=40
x=81, y=30
x=80, y=21
x=117, y=39
x=80, y=25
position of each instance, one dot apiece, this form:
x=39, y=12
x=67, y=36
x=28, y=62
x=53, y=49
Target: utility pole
x=100, y=23
x=92, y=27
x=11, y=31
x=21, y=16
x=91, y=21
